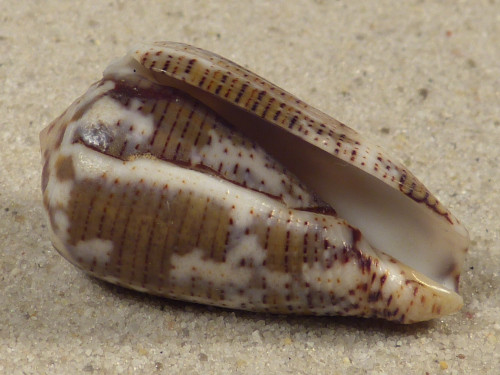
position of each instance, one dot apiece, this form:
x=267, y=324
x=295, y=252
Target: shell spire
x=184, y=175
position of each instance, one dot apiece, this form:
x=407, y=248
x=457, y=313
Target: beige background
x=422, y=78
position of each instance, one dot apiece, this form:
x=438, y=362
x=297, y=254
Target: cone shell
x=182, y=174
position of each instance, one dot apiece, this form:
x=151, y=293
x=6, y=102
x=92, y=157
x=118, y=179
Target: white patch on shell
x=60, y=192
x=230, y=276
x=222, y=150
x=97, y=249
x=248, y=249
x=61, y=223
x=108, y=112
x=221, y=274
x=120, y=68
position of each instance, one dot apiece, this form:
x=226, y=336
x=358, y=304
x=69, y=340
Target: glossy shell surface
x=184, y=175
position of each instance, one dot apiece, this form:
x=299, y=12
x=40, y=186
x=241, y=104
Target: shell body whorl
x=184, y=175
